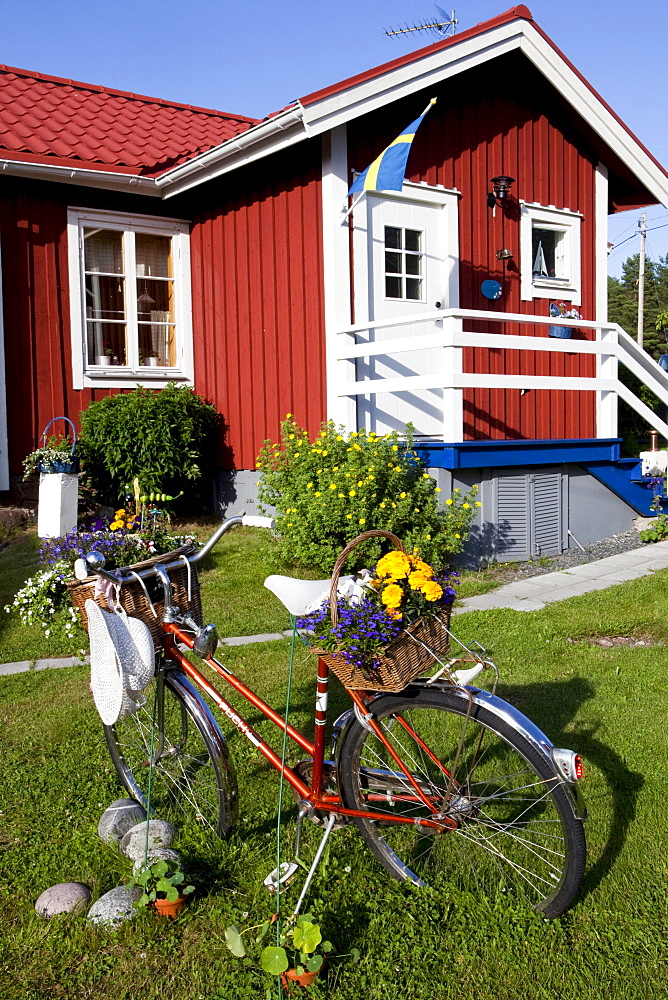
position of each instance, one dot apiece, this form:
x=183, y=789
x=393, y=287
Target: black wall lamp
x=500, y=190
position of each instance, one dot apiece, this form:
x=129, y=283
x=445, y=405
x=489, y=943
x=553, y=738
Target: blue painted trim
x=486, y=454
x=618, y=479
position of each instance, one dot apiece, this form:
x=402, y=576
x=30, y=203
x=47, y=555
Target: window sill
x=116, y=377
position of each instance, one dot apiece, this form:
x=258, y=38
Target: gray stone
x=160, y=834
x=157, y=854
x=66, y=897
x=118, y=818
x=115, y=907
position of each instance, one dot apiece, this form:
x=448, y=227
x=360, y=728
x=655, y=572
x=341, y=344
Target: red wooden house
x=145, y=241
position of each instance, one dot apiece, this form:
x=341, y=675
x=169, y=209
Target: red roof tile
x=48, y=120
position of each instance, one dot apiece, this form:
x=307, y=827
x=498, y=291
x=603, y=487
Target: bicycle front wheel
x=513, y=826
x=192, y=778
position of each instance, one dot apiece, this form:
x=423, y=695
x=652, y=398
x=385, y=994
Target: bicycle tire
x=194, y=778
x=516, y=829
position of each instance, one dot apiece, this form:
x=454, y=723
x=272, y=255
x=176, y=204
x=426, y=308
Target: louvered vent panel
x=545, y=511
x=512, y=517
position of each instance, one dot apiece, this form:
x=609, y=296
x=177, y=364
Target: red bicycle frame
x=315, y=794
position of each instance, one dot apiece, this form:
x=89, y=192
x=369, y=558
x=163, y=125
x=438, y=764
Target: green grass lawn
x=609, y=704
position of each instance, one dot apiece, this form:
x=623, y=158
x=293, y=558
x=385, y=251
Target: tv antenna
x=443, y=26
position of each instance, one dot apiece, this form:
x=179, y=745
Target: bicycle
x=441, y=778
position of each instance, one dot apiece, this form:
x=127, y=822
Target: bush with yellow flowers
x=328, y=490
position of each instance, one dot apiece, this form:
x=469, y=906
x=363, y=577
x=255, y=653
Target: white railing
x=612, y=345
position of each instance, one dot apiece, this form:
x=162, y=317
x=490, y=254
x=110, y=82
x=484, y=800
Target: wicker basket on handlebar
x=406, y=657
x=134, y=599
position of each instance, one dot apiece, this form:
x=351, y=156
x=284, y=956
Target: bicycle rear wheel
x=192, y=776
x=515, y=830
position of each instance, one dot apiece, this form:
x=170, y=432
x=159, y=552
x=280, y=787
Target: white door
x=405, y=265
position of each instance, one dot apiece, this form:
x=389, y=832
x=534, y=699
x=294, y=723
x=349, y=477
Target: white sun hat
x=122, y=662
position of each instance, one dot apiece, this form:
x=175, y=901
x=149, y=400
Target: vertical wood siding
x=258, y=317
x=503, y=119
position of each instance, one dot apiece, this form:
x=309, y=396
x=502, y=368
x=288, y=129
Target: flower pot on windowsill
x=151, y=362
x=103, y=360
x=565, y=332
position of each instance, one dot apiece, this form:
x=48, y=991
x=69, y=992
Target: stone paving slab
x=14, y=668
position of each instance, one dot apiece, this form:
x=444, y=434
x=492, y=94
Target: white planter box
x=58, y=504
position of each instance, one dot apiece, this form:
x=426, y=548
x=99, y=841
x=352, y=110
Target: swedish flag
x=387, y=171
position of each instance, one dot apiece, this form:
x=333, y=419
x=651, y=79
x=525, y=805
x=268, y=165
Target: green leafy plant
x=300, y=946
x=56, y=451
x=658, y=529
x=165, y=438
x=159, y=880
x=329, y=490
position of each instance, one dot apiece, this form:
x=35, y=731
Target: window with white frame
x=130, y=298
x=550, y=253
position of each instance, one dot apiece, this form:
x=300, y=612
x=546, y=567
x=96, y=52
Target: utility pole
x=641, y=278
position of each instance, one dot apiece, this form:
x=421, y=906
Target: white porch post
x=453, y=396
x=606, y=401
x=336, y=266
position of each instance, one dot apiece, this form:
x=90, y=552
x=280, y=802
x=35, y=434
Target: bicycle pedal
x=278, y=882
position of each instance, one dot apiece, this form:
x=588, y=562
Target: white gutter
x=85, y=178
x=275, y=133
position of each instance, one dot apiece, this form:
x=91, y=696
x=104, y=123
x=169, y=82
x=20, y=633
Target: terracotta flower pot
x=169, y=908
x=302, y=979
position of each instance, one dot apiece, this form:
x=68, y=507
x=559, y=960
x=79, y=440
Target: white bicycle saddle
x=301, y=596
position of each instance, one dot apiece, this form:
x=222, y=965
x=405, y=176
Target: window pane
x=413, y=239
x=153, y=255
x=393, y=288
x=545, y=244
x=392, y=262
x=103, y=251
x=392, y=237
x=413, y=264
x=413, y=288
x=157, y=340
x=105, y=298
x=154, y=297
x=106, y=343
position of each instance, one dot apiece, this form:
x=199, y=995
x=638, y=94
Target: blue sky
x=253, y=57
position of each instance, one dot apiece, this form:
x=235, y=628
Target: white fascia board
x=571, y=87
x=106, y=179
x=414, y=76
x=261, y=140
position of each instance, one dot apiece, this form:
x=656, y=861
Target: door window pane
x=403, y=263
x=153, y=256
x=103, y=251
x=106, y=343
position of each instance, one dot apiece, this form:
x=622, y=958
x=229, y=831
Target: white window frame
x=568, y=224
x=85, y=375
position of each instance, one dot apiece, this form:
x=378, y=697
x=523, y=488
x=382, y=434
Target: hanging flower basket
x=565, y=332
x=412, y=648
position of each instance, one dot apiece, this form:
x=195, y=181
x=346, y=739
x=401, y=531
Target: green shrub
x=328, y=491
x=165, y=438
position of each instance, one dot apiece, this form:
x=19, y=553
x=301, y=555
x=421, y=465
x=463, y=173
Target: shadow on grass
x=553, y=706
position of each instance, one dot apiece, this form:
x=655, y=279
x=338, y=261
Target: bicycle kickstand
x=316, y=861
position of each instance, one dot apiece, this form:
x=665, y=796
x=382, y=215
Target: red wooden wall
x=258, y=314
x=503, y=119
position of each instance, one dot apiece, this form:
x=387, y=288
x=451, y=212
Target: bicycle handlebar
x=120, y=576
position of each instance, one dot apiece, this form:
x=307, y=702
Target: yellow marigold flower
x=417, y=580
x=362, y=520
x=449, y=501
x=115, y=525
x=395, y=565
x=120, y=512
x=432, y=590
x=394, y=613
x=392, y=595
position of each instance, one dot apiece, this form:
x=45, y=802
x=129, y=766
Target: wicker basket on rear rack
x=137, y=601
x=406, y=657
